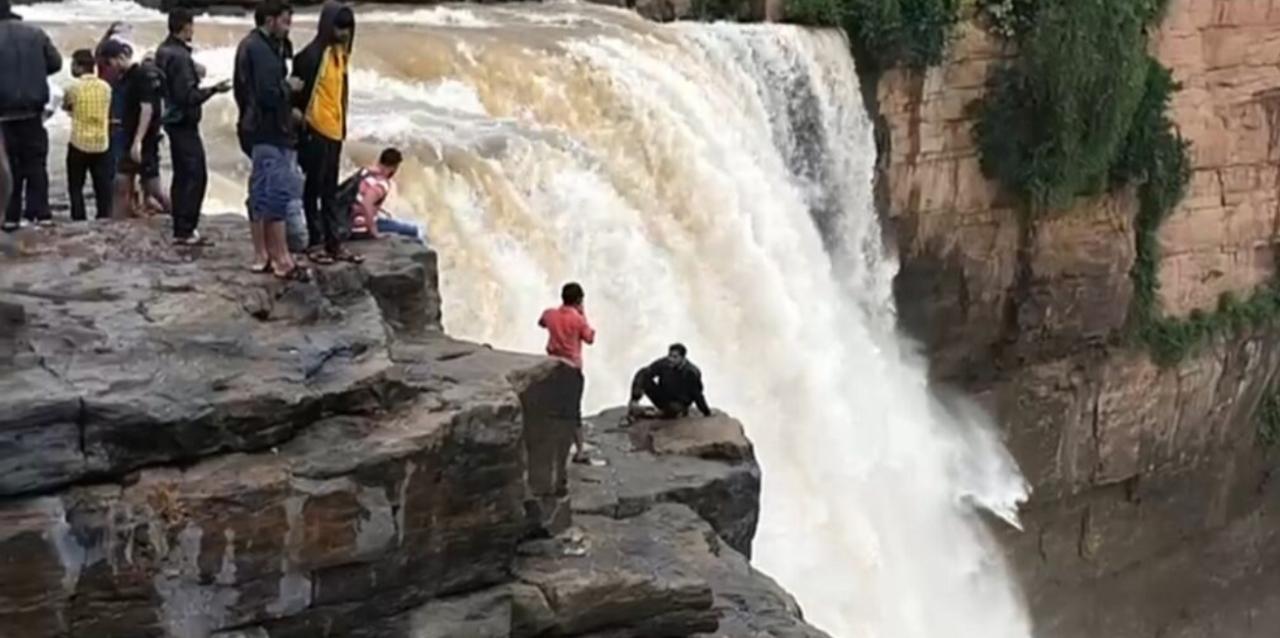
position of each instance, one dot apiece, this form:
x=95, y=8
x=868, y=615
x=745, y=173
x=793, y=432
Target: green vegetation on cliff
x=885, y=33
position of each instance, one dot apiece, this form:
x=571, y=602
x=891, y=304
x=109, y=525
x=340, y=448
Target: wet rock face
x=1136, y=468
x=186, y=446
x=188, y=449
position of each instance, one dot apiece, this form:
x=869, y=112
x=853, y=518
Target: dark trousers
x=27, y=146
x=99, y=167
x=320, y=156
x=190, y=178
x=670, y=407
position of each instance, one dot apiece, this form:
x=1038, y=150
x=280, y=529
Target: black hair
x=83, y=59
x=179, y=18
x=259, y=16
x=571, y=294
x=273, y=9
x=679, y=349
x=390, y=157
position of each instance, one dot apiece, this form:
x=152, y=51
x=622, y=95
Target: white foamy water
x=710, y=184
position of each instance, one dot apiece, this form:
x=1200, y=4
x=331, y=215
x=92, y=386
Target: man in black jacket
x=672, y=383
x=27, y=57
x=183, y=111
x=267, y=124
x=322, y=67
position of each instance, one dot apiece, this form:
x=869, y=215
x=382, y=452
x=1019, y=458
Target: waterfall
x=709, y=184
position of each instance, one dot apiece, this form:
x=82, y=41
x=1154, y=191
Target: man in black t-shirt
x=143, y=87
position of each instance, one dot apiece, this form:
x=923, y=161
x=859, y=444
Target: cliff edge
x=188, y=449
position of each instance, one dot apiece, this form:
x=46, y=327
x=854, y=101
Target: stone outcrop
x=188, y=449
x=1140, y=471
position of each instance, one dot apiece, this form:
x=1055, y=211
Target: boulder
x=707, y=464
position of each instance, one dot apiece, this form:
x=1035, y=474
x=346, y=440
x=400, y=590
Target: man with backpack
x=363, y=195
x=184, y=109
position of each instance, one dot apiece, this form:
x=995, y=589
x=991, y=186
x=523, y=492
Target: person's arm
x=699, y=398
x=268, y=88
x=588, y=333
x=637, y=383
x=52, y=59
x=184, y=84
x=542, y=319
x=145, y=114
x=370, y=196
x=68, y=99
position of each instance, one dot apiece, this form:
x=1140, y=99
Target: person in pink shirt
x=369, y=219
x=567, y=329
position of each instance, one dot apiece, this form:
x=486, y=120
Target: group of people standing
x=292, y=124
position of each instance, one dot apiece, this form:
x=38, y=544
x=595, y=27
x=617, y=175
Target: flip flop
x=297, y=273
x=262, y=268
x=10, y=227
x=347, y=256
x=193, y=241
x=319, y=257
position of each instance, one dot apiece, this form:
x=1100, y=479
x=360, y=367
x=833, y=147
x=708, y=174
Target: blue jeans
x=389, y=226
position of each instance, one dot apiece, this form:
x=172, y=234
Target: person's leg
x=152, y=186
x=330, y=224
x=77, y=166
x=190, y=179
x=6, y=183
x=312, y=155
x=578, y=387
x=388, y=226
x=35, y=168
x=282, y=263
x=667, y=407
x=13, y=153
x=100, y=169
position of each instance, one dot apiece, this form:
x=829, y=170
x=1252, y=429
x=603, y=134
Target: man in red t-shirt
x=567, y=330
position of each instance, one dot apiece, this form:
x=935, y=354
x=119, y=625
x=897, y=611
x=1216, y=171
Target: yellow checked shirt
x=89, y=101
x=324, y=113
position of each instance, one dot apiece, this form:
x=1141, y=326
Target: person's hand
x=222, y=87
x=135, y=153
x=297, y=116
x=633, y=407
x=295, y=83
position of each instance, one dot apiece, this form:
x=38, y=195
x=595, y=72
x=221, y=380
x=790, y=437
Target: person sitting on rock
x=567, y=329
x=672, y=383
x=366, y=191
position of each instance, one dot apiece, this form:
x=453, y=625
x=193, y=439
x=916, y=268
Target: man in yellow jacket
x=322, y=68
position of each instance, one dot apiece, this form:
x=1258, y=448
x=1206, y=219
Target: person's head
x=277, y=17
x=82, y=63
x=571, y=294
x=344, y=25
x=118, y=55
x=259, y=16
x=677, y=354
x=6, y=10
x=182, y=24
x=390, y=160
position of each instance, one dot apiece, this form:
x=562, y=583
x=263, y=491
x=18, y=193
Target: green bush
x=1056, y=119
x=1269, y=419
x=885, y=33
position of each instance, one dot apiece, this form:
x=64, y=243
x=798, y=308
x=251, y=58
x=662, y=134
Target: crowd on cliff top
x=291, y=126
x=122, y=106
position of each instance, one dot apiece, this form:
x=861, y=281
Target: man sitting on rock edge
x=672, y=383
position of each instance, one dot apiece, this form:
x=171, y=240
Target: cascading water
x=710, y=184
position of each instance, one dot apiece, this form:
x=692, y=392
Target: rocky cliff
x=188, y=449
x=1153, y=512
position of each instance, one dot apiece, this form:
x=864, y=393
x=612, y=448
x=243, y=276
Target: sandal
x=347, y=256
x=195, y=240
x=261, y=268
x=10, y=227
x=319, y=257
x=297, y=273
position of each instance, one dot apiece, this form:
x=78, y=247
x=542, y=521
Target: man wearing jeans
x=27, y=58
x=183, y=111
x=267, y=124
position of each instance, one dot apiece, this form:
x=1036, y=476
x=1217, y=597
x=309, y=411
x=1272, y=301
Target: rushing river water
x=707, y=183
